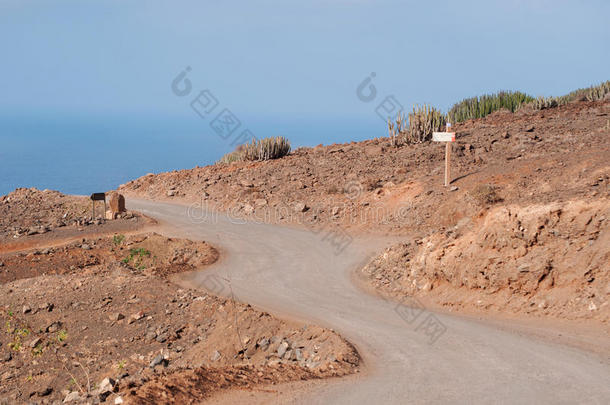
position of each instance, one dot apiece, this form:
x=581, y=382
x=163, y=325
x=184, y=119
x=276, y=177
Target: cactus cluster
x=478, y=107
x=418, y=127
x=592, y=93
x=263, y=149
x=422, y=122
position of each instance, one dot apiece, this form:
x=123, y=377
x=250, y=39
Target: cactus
x=418, y=127
x=478, y=107
x=422, y=122
x=593, y=93
x=263, y=149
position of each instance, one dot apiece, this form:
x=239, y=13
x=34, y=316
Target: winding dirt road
x=299, y=274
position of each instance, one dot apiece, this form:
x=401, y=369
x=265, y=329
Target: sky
x=285, y=67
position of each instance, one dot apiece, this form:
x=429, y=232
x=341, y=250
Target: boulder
x=116, y=202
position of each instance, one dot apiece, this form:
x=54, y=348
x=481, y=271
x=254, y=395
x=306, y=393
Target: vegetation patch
x=479, y=107
x=257, y=150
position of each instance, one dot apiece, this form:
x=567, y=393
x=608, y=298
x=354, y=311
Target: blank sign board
x=443, y=136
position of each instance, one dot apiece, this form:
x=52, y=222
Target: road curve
x=297, y=273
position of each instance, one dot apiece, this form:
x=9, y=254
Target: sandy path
x=296, y=273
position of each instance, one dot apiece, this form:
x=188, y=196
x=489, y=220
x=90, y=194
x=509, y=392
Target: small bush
x=263, y=149
x=486, y=194
x=479, y=107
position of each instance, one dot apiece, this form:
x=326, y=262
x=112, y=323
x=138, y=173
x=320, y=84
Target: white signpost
x=446, y=137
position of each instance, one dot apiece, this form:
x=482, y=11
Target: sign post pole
x=446, y=137
x=97, y=197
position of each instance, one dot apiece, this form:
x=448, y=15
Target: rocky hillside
x=523, y=226
x=545, y=259
x=528, y=157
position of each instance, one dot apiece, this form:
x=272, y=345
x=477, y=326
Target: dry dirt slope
x=523, y=228
x=89, y=316
x=543, y=156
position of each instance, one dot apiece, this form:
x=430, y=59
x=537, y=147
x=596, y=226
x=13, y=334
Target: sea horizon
x=92, y=154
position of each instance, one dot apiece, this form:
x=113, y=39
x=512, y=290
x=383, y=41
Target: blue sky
x=291, y=59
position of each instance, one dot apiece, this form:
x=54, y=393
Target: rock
x=84, y=246
x=298, y=355
x=116, y=202
x=260, y=202
x=246, y=183
x=74, y=396
x=300, y=207
x=335, y=211
x=159, y=359
x=26, y=309
x=454, y=188
x=118, y=400
x=1, y=264
x=46, y=307
x=281, y=350
x=45, y=391
x=7, y=357
x=35, y=342
x=135, y=317
x=263, y=343
x=171, y=193
x=215, y=356
x=110, y=215
x=248, y=209
x=529, y=128
x=117, y=316
x=106, y=388
x=54, y=327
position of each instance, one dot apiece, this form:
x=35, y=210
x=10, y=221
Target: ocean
x=86, y=155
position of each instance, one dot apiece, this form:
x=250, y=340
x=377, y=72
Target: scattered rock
x=45, y=391
x=34, y=342
x=73, y=396
x=248, y=209
x=215, y=356
x=281, y=350
x=117, y=316
x=7, y=357
x=300, y=207
x=158, y=360
x=54, y=327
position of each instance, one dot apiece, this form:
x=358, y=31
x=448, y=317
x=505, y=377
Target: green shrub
x=418, y=127
x=422, y=122
x=231, y=157
x=263, y=149
x=593, y=93
x=478, y=107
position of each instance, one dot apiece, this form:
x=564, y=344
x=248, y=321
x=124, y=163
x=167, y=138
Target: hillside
x=523, y=226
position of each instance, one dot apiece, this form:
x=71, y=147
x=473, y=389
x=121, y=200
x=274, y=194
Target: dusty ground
x=88, y=319
x=522, y=229
x=30, y=217
x=543, y=156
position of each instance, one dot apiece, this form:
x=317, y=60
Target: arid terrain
x=523, y=228
x=89, y=314
x=124, y=310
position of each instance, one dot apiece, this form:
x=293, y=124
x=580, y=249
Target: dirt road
x=301, y=274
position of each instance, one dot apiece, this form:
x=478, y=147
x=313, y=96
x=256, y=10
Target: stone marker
x=117, y=203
